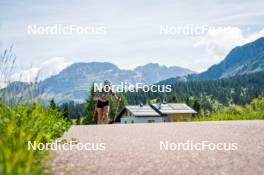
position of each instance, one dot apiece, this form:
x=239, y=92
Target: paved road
x=135, y=149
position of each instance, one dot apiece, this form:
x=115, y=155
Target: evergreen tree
x=158, y=100
x=53, y=104
x=197, y=106
x=65, y=111
x=173, y=98
x=90, y=107
x=188, y=101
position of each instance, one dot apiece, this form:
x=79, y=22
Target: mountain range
x=245, y=59
x=73, y=82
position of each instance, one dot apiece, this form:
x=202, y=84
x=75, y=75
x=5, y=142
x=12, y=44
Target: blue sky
x=132, y=31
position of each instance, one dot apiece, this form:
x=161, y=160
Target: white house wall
x=142, y=119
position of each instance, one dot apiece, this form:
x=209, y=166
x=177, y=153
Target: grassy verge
x=252, y=111
x=22, y=123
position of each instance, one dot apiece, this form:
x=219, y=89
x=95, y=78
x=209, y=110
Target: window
x=151, y=121
x=132, y=121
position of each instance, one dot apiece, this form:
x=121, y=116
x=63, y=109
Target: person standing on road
x=102, y=105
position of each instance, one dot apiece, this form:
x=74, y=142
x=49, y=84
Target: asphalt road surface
x=137, y=149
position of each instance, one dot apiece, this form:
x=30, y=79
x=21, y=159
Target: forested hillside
x=240, y=60
x=234, y=90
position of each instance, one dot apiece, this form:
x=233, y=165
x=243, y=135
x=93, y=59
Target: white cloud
x=218, y=42
x=48, y=68
x=255, y=36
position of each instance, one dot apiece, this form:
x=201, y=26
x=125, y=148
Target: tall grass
x=7, y=66
x=24, y=122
